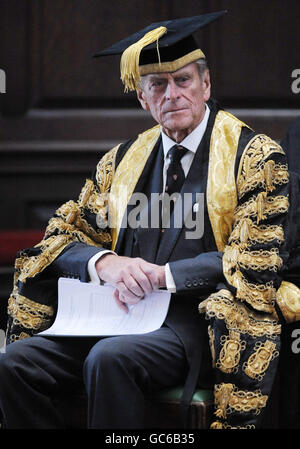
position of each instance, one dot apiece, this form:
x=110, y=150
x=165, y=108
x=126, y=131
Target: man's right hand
x=133, y=277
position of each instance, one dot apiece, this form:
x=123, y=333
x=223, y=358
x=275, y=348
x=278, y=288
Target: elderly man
x=233, y=268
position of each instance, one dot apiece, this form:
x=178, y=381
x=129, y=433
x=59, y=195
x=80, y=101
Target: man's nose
x=172, y=91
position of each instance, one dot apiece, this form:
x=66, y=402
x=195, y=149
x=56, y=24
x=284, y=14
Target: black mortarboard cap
x=160, y=47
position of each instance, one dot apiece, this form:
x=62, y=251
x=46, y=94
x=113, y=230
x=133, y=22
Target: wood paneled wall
x=62, y=108
x=46, y=49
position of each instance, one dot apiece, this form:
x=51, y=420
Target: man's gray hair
x=202, y=66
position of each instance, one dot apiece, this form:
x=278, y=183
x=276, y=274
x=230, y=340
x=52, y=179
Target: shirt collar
x=192, y=140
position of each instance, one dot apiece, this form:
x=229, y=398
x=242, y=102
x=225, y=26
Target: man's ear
x=207, y=85
x=142, y=99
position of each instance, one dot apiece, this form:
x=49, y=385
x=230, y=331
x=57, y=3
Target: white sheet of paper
x=86, y=309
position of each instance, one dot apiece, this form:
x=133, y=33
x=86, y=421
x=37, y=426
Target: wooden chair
x=163, y=409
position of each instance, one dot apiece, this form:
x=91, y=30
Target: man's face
x=176, y=100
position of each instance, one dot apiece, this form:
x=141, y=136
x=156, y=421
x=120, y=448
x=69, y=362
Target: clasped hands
x=133, y=278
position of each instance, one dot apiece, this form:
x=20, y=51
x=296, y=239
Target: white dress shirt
x=191, y=143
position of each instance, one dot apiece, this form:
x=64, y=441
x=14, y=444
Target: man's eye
x=183, y=79
x=157, y=83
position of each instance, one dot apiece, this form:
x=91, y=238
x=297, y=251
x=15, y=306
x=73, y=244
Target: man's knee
x=108, y=354
x=9, y=360
x=4, y=365
x=17, y=358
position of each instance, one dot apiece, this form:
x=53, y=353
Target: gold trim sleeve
x=106, y=169
x=238, y=317
x=29, y=314
x=254, y=169
x=248, y=233
x=51, y=248
x=74, y=221
x=230, y=354
x=258, y=362
x=267, y=177
x=230, y=399
x=263, y=175
x=260, y=260
x=262, y=207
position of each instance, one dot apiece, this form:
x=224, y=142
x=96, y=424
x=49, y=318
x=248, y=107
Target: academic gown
x=73, y=236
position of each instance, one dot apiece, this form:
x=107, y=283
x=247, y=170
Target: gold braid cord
x=231, y=352
x=69, y=224
x=261, y=207
x=248, y=233
x=237, y=317
x=228, y=399
x=29, y=314
x=211, y=338
x=258, y=363
x=256, y=171
x=244, y=332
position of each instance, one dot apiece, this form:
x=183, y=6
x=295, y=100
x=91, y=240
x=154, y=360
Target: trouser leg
x=119, y=371
x=32, y=372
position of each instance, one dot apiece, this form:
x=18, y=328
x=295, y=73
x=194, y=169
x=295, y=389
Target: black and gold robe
x=246, y=186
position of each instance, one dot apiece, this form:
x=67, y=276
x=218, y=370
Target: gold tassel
x=130, y=74
x=216, y=425
x=268, y=171
x=72, y=215
x=86, y=191
x=244, y=230
x=260, y=203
